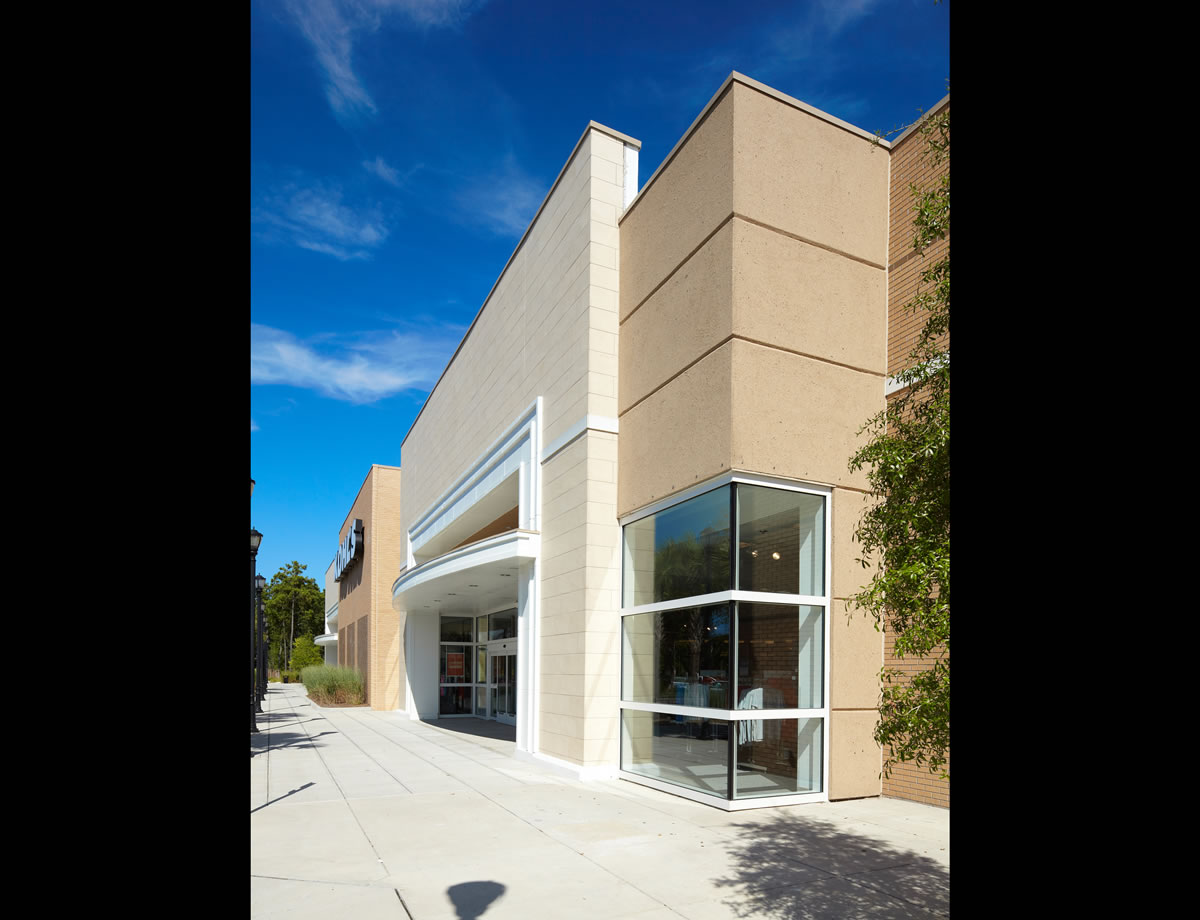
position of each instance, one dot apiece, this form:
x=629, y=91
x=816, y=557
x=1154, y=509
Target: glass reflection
x=780, y=656
x=781, y=541
x=681, y=750
x=777, y=757
x=682, y=551
x=677, y=656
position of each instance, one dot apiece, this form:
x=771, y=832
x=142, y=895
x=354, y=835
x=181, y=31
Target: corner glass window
x=780, y=656
x=681, y=750
x=679, y=657
x=777, y=757
x=679, y=552
x=781, y=541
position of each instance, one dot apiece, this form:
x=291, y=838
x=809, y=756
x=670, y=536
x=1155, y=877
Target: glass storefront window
x=781, y=541
x=680, y=552
x=677, y=656
x=453, y=701
x=740, y=655
x=777, y=757
x=458, y=629
x=680, y=750
x=780, y=656
x=456, y=664
x=503, y=625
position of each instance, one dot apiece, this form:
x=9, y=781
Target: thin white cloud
x=503, y=201
x=389, y=174
x=253, y=427
x=372, y=367
x=333, y=26
x=313, y=216
x=840, y=13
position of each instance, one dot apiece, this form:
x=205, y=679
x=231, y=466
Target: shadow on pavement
x=472, y=899
x=277, y=740
x=480, y=728
x=773, y=878
x=284, y=796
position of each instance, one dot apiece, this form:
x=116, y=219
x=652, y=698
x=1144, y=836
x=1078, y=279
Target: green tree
x=295, y=607
x=305, y=653
x=907, y=529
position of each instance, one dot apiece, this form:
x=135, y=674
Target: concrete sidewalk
x=368, y=814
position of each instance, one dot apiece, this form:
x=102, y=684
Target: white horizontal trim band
x=752, y=479
x=724, y=597
x=587, y=423
x=726, y=715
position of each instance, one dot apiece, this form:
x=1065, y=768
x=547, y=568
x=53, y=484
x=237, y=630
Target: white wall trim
x=726, y=715
x=754, y=479
x=892, y=385
x=442, y=511
x=798, y=798
x=587, y=423
x=725, y=597
x=516, y=544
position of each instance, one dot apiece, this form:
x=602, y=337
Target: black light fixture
x=261, y=661
x=255, y=542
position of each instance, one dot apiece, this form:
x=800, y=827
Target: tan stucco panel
x=855, y=655
x=684, y=318
x=807, y=299
x=854, y=758
x=795, y=416
x=388, y=547
x=686, y=202
x=849, y=577
x=678, y=436
x=813, y=179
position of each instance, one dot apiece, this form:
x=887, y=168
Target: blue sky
x=399, y=148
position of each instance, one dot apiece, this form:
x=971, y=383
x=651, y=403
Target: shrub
x=291, y=677
x=305, y=653
x=327, y=684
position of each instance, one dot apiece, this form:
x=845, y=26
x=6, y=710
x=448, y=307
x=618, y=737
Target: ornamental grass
x=333, y=685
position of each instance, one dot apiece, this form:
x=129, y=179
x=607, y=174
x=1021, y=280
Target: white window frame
x=824, y=601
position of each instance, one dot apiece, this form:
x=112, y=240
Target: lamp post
x=260, y=583
x=255, y=540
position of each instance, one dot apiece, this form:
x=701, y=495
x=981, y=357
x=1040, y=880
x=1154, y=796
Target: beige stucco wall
x=354, y=590
x=549, y=328
x=753, y=338
x=387, y=551
x=364, y=596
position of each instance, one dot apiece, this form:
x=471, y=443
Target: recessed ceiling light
x=775, y=556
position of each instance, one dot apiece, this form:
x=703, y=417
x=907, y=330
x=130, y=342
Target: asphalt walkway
x=368, y=814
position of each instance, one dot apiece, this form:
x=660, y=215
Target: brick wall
x=909, y=167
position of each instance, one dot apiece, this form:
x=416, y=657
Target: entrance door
x=502, y=685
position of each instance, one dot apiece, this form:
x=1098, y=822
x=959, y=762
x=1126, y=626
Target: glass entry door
x=502, y=685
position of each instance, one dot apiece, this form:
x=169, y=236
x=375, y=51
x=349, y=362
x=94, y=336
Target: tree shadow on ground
x=472, y=899
x=856, y=876
x=279, y=740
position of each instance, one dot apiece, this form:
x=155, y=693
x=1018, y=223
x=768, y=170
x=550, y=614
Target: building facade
x=358, y=590
x=626, y=520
